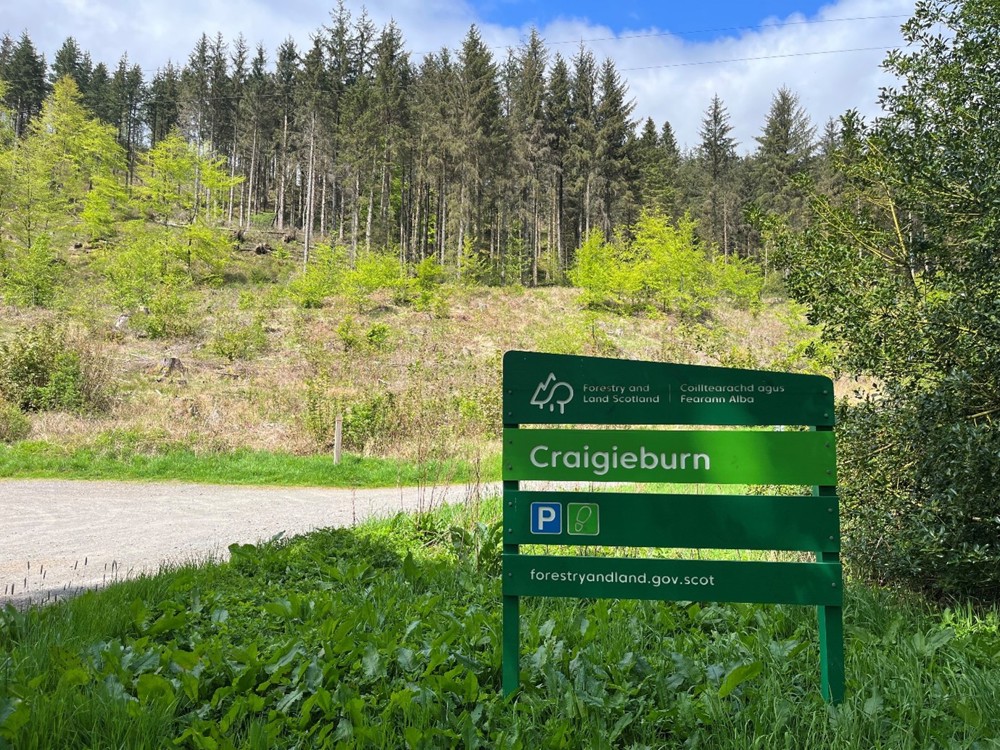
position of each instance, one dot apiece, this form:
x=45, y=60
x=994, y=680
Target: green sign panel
x=557, y=389
x=689, y=456
x=549, y=389
x=583, y=519
x=806, y=524
x=673, y=580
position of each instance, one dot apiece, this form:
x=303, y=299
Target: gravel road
x=59, y=537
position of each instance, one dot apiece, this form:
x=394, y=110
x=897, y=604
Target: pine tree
x=559, y=122
x=259, y=113
x=583, y=141
x=26, y=86
x=785, y=150
x=71, y=61
x=391, y=99
x=614, y=160
x=128, y=92
x=717, y=156
x=98, y=97
x=472, y=140
x=286, y=71
x=529, y=141
x=162, y=105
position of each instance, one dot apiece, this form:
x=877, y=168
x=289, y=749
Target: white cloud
x=669, y=77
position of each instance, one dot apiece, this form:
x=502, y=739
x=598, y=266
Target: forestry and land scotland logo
x=552, y=393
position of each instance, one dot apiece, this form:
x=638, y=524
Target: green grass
x=388, y=636
x=46, y=460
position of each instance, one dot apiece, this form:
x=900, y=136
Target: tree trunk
x=310, y=191
x=355, y=209
x=283, y=168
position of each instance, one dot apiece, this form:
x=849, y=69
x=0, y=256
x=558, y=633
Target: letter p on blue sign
x=546, y=518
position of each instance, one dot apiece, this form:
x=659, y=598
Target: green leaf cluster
x=901, y=271
x=40, y=369
x=661, y=267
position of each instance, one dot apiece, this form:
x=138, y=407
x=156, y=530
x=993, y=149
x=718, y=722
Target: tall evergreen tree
x=614, y=160
x=391, y=100
x=473, y=141
x=583, y=141
x=717, y=157
x=559, y=123
x=785, y=150
x=162, y=108
x=98, y=96
x=529, y=141
x=71, y=61
x=26, y=85
x=128, y=92
x=285, y=74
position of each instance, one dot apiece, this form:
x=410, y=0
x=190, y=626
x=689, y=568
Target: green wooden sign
x=557, y=389
x=674, y=580
x=553, y=389
x=699, y=456
x=610, y=519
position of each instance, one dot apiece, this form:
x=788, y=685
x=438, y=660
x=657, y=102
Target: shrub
x=14, y=425
x=168, y=314
x=41, y=369
x=368, y=422
x=371, y=272
x=378, y=336
x=661, y=268
x=320, y=279
x=235, y=338
x=918, y=486
x=31, y=276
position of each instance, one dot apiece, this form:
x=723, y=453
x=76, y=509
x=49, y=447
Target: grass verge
x=388, y=635
x=38, y=460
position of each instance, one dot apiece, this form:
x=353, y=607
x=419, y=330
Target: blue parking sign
x=546, y=518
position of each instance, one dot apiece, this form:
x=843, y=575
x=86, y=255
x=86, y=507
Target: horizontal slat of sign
x=560, y=389
x=673, y=580
x=699, y=456
x=715, y=521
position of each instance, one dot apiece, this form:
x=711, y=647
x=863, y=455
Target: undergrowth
x=388, y=635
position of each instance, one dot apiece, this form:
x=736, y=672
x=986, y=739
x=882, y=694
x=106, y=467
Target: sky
x=675, y=56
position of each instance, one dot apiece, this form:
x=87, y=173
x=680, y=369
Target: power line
x=779, y=25
x=274, y=95
x=696, y=32
x=754, y=59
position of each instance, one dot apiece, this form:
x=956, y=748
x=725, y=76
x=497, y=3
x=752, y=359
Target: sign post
x=549, y=389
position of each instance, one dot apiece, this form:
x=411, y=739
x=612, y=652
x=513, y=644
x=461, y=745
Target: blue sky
x=827, y=53
x=694, y=20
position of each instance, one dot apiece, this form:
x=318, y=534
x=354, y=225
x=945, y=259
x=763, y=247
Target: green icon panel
x=583, y=519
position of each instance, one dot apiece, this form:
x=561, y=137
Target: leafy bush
x=347, y=332
x=30, y=276
x=901, y=270
x=41, y=369
x=368, y=422
x=169, y=311
x=321, y=278
x=14, y=425
x=371, y=272
x=239, y=338
x=660, y=268
x=918, y=485
x=379, y=336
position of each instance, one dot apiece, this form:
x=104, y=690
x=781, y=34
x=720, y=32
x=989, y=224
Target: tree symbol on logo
x=546, y=391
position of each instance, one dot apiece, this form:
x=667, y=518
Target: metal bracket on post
x=511, y=645
x=831, y=622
